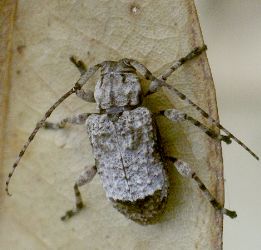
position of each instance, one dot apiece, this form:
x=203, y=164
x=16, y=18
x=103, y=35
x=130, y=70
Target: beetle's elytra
x=126, y=141
x=129, y=163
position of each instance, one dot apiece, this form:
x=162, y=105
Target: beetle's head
x=119, y=86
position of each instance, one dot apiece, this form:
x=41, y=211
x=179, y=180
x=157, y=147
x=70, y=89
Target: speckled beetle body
x=129, y=163
x=125, y=138
x=124, y=145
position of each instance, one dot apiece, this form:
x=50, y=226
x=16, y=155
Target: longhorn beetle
x=125, y=138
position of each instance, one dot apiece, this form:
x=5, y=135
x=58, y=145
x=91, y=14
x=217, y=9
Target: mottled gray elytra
x=125, y=139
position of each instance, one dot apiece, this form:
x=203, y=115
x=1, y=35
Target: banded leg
x=79, y=64
x=176, y=116
x=85, y=177
x=185, y=170
x=77, y=119
x=88, y=95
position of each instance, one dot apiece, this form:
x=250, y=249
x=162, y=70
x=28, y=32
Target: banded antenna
x=85, y=76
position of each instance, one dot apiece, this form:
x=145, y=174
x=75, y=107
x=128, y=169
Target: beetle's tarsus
x=229, y=213
x=7, y=192
x=70, y=213
x=226, y=139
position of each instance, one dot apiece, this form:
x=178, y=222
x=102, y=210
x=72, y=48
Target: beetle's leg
x=185, y=170
x=177, y=116
x=88, y=95
x=79, y=64
x=85, y=177
x=76, y=119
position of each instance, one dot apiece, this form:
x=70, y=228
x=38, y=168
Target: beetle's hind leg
x=76, y=119
x=85, y=177
x=186, y=170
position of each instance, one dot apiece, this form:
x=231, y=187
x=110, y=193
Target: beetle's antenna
x=78, y=85
x=206, y=115
x=161, y=82
x=38, y=126
x=194, y=53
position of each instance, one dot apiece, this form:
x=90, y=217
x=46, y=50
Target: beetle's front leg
x=88, y=95
x=76, y=119
x=186, y=170
x=85, y=177
x=79, y=64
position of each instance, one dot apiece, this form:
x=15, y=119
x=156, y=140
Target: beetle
x=125, y=138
